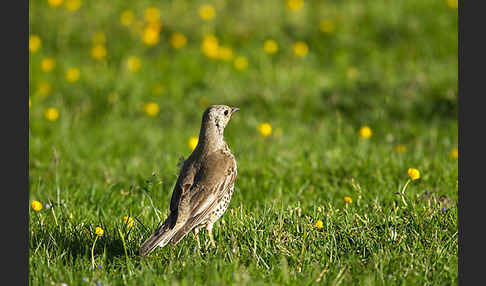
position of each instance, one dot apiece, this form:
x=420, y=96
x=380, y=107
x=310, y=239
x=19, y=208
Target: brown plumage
x=204, y=187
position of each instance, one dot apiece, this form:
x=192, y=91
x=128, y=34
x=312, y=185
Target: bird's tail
x=161, y=237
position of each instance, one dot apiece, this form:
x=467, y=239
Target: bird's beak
x=234, y=109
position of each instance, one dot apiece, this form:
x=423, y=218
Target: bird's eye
x=226, y=112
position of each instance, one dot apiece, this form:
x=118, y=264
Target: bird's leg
x=209, y=228
x=195, y=231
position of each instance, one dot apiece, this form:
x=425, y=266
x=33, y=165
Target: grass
x=104, y=158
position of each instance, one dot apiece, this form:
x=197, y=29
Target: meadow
x=342, y=104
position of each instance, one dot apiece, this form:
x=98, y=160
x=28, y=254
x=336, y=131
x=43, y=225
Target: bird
x=204, y=186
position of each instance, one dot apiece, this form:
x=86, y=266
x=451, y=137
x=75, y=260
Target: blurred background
x=118, y=87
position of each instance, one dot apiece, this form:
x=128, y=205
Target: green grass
x=112, y=160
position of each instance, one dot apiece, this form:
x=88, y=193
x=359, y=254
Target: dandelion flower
x=73, y=5
x=300, y=49
x=193, y=142
x=151, y=36
x=210, y=46
x=36, y=205
x=152, y=15
x=295, y=5
x=99, y=231
x=241, y=63
x=327, y=26
x=72, y=75
x=270, y=46
x=453, y=4
x=365, y=132
x=45, y=88
x=413, y=173
x=151, y=108
x=54, y=3
x=99, y=38
x=265, y=129
x=128, y=221
x=51, y=114
x=178, y=40
x=454, y=153
x=348, y=200
x=134, y=64
x=319, y=224
x=35, y=43
x=98, y=52
x=400, y=148
x=48, y=64
x=127, y=17
x=207, y=12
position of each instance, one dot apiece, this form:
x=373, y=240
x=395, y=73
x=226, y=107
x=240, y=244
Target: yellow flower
x=35, y=43
x=193, y=142
x=413, y=173
x=70, y=215
x=99, y=231
x=207, y=12
x=151, y=108
x=178, y=40
x=301, y=49
x=270, y=46
x=73, y=5
x=30, y=103
x=152, y=15
x=295, y=5
x=45, y=88
x=73, y=74
x=348, y=200
x=51, y=114
x=36, y=205
x=210, y=46
x=265, y=129
x=99, y=38
x=151, y=35
x=47, y=64
x=98, y=52
x=128, y=221
x=54, y=3
x=127, y=17
x=454, y=153
x=319, y=224
x=365, y=132
x=352, y=73
x=327, y=26
x=453, y=4
x=400, y=148
x=134, y=64
x=225, y=53
x=241, y=63
x=157, y=88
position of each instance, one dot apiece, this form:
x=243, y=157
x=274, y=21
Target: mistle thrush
x=204, y=187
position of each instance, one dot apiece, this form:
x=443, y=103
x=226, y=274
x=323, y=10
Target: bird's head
x=216, y=117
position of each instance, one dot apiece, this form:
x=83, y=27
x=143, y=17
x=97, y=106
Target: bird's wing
x=213, y=179
x=169, y=228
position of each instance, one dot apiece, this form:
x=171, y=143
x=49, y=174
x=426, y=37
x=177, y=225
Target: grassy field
x=117, y=91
